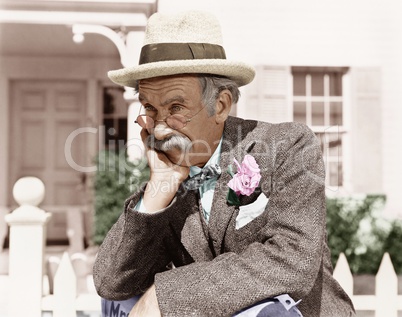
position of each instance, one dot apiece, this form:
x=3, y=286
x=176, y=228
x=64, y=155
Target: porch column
x=27, y=243
x=135, y=148
x=4, y=164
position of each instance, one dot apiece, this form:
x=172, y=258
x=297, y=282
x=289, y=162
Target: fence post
x=386, y=289
x=65, y=289
x=27, y=243
x=343, y=274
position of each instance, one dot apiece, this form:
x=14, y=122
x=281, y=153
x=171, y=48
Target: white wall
x=356, y=33
x=306, y=31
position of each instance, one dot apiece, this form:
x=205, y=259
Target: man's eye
x=176, y=108
x=149, y=108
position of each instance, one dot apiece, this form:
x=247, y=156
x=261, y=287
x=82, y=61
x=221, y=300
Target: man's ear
x=223, y=106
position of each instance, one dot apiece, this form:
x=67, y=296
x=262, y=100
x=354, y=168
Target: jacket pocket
x=251, y=219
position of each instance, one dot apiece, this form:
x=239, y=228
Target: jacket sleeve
x=287, y=256
x=131, y=254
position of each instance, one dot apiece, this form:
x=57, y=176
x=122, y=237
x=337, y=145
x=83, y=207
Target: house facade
x=54, y=58
x=333, y=65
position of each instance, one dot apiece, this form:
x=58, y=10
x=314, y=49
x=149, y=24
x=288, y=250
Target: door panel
x=32, y=152
x=43, y=115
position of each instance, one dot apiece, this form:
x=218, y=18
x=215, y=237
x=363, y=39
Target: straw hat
x=189, y=42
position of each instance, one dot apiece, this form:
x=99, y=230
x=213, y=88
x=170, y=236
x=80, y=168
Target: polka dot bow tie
x=207, y=173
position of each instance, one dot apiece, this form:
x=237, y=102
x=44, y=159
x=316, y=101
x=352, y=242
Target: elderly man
x=232, y=219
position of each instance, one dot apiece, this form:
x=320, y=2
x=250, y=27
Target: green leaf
x=232, y=198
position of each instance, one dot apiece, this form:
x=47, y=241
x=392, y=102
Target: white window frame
x=341, y=130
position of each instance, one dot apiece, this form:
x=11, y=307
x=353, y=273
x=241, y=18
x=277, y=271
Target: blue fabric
x=118, y=308
x=280, y=306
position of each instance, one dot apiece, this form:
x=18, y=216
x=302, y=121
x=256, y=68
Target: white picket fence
x=385, y=302
x=72, y=291
x=30, y=296
x=28, y=291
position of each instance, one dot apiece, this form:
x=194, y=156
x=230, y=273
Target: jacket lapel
x=189, y=226
x=198, y=239
x=221, y=212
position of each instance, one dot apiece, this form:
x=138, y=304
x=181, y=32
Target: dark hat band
x=180, y=51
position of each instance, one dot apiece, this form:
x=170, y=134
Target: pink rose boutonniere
x=245, y=181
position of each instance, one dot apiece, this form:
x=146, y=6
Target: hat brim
x=239, y=72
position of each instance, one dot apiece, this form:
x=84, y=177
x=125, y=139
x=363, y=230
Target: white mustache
x=172, y=142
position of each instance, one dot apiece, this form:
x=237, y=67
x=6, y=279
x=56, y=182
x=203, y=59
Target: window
x=318, y=101
x=114, y=118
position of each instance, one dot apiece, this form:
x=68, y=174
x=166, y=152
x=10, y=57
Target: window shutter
x=366, y=129
x=268, y=95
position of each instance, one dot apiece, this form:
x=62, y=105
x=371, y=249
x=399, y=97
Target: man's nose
x=162, y=130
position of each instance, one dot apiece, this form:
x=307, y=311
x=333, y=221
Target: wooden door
x=43, y=116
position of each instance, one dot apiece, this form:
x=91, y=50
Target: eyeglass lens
x=145, y=122
x=175, y=121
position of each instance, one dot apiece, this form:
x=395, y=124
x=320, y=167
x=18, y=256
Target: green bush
x=357, y=227
x=355, y=224
x=115, y=180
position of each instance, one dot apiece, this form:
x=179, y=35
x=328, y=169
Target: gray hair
x=212, y=86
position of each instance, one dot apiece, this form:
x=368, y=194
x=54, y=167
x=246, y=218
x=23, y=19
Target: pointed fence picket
x=64, y=302
x=385, y=302
x=387, y=289
x=65, y=289
x=343, y=274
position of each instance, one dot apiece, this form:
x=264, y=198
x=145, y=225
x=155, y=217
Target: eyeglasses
x=174, y=121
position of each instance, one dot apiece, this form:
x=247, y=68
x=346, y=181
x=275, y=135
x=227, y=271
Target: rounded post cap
x=29, y=191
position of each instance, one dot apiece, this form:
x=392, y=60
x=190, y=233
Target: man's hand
x=165, y=179
x=147, y=306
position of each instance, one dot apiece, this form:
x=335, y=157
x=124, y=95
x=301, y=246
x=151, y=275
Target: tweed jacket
x=219, y=269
